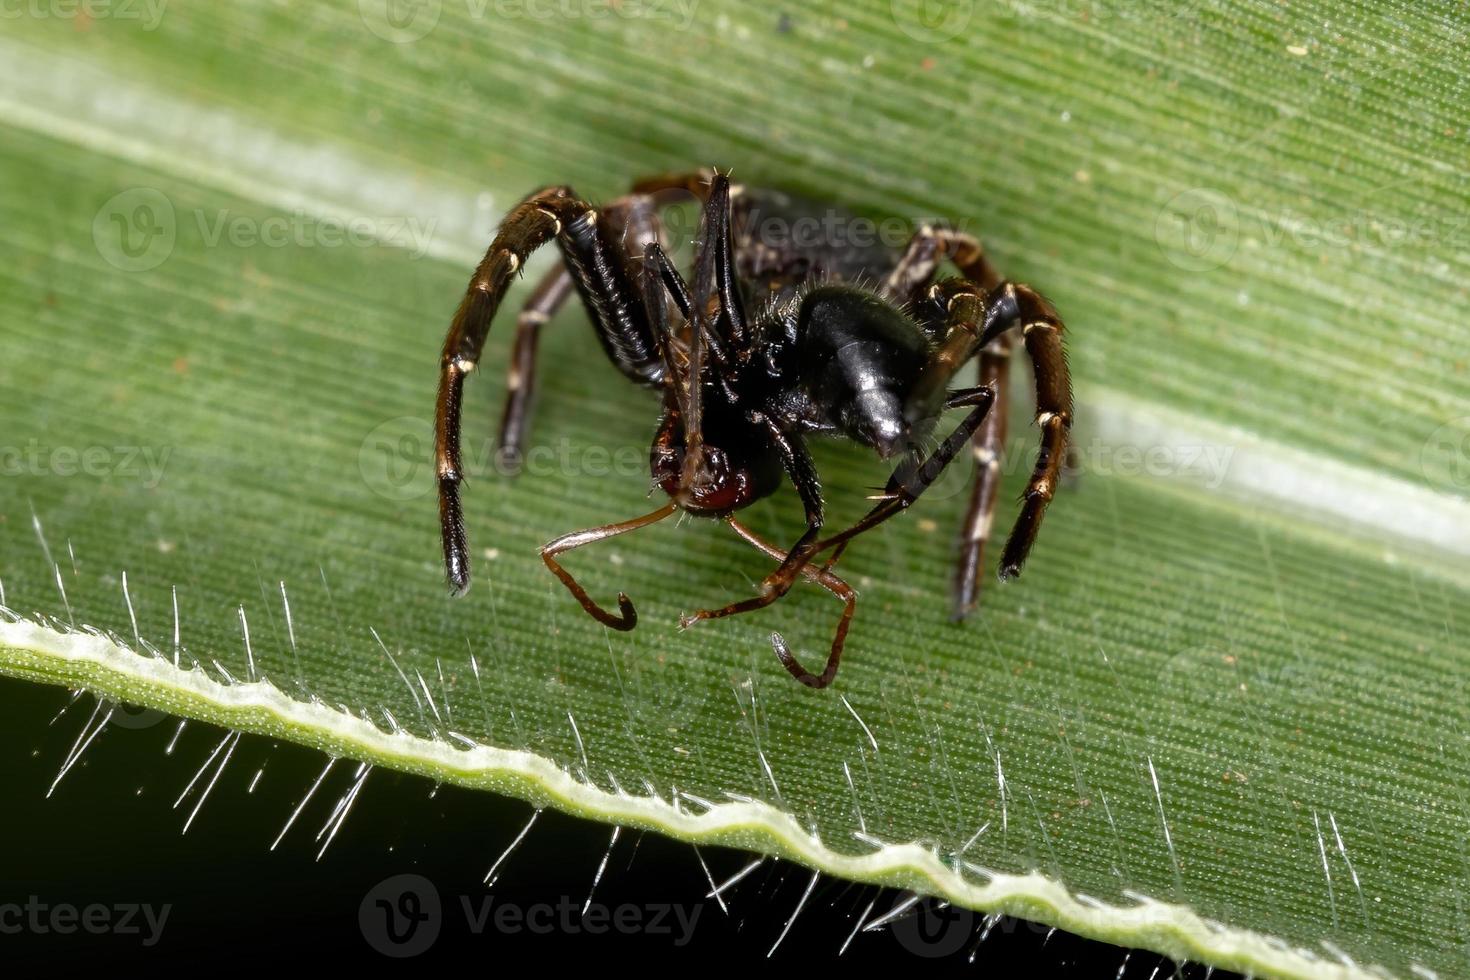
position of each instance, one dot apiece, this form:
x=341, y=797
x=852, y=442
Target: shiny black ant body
x=853, y=340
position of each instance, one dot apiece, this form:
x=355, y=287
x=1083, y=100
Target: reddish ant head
x=737, y=465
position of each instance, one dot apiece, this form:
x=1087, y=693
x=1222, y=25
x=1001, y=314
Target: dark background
x=110, y=834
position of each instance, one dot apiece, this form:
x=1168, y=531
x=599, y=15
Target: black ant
x=852, y=340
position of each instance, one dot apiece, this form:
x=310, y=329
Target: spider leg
x=714, y=282
x=909, y=282
x=731, y=322
x=528, y=226
x=717, y=234
x=995, y=368
x=614, y=304
x=1042, y=335
x=826, y=580
x=660, y=279
x=695, y=182
x=931, y=244
x=634, y=221
x=520, y=385
x=1007, y=306
x=628, y=617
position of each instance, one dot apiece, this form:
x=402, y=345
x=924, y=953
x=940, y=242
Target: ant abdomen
x=860, y=358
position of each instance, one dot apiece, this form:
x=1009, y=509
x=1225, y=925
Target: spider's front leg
x=598, y=273
x=913, y=273
x=529, y=225
x=631, y=220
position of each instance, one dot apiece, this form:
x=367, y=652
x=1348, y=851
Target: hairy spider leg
x=614, y=304
x=1008, y=306
x=633, y=218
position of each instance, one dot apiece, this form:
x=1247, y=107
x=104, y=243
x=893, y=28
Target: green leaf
x=1222, y=715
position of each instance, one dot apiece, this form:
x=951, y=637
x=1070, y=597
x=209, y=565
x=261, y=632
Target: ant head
x=737, y=463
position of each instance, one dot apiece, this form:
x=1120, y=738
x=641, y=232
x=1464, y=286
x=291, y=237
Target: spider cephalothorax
x=772, y=342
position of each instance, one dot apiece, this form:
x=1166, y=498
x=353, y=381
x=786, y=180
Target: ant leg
x=520, y=385
x=989, y=441
x=826, y=580
x=803, y=474
x=907, y=483
x=914, y=476
x=576, y=539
